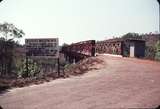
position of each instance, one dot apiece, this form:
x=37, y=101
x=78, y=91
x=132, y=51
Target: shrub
x=33, y=69
x=150, y=52
x=157, y=55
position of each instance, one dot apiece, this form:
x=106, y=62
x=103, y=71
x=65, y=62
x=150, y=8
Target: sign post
x=58, y=71
x=42, y=48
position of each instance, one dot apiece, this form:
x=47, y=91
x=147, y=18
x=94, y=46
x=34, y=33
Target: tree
x=65, y=44
x=7, y=44
x=132, y=36
x=9, y=30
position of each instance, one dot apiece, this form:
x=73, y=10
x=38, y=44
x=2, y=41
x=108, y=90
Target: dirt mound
x=21, y=82
x=92, y=63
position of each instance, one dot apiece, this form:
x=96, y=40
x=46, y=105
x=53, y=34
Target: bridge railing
x=79, y=50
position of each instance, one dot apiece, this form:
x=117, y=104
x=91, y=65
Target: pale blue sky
x=77, y=20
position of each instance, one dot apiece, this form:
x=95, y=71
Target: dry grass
x=92, y=63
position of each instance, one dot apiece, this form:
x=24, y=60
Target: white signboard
x=43, y=47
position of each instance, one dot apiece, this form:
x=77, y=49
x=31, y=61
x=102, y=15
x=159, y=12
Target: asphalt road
x=122, y=83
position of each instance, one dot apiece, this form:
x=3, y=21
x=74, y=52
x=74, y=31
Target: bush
x=157, y=55
x=150, y=52
x=33, y=69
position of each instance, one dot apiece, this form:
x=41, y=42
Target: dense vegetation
x=7, y=48
x=12, y=63
x=157, y=54
x=152, y=50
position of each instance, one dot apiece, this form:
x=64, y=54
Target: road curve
x=122, y=83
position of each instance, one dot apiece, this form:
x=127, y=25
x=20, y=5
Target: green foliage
x=31, y=71
x=153, y=52
x=6, y=56
x=7, y=45
x=157, y=55
x=9, y=30
x=132, y=36
x=126, y=53
x=150, y=52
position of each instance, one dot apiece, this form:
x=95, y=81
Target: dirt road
x=123, y=83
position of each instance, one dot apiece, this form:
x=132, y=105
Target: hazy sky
x=77, y=20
